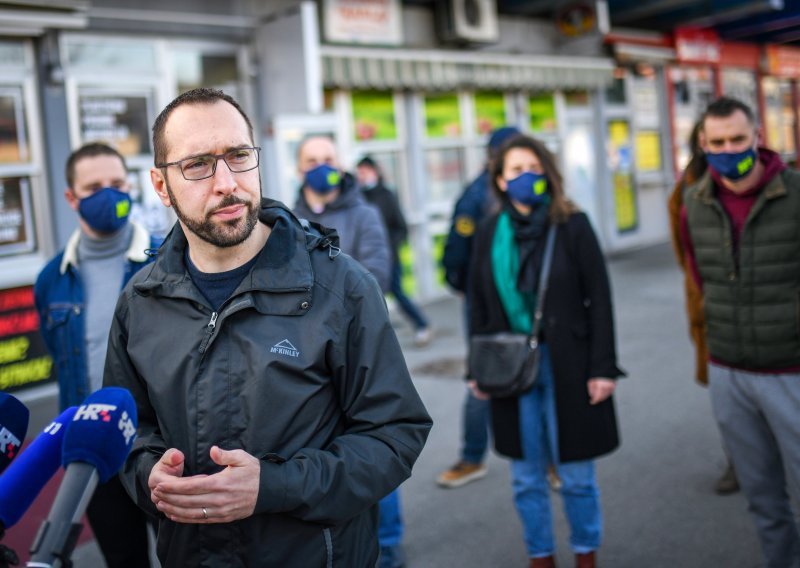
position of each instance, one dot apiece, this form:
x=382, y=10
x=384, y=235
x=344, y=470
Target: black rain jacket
x=300, y=368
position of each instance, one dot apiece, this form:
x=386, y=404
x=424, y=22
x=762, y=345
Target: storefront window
x=647, y=117
x=121, y=120
x=13, y=138
x=102, y=53
x=12, y=54
x=542, y=113
x=615, y=92
x=443, y=168
x=194, y=68
x=442, y=116
x=740, y=84
x=693, y=90
x=490, y=111
x=577, y=98
x=16, y=217
x=779, y=115
x=374, y=115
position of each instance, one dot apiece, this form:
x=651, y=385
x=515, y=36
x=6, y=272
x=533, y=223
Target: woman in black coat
x=567, y=418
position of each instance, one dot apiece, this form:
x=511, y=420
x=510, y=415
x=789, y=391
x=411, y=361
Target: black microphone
x=96, y=443
x=13, y=426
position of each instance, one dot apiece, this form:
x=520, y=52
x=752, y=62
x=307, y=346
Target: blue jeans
x=475, y=417
x=476, y=429
x=390, y=523
x=405, y=303
x=579, y=490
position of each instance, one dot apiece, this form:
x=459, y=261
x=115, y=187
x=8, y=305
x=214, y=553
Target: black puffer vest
x=752, y=300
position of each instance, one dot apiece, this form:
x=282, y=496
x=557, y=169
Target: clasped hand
x=218, y=498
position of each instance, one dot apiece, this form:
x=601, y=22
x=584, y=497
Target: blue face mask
x=323, y=179
x=106, y=210
x=733, y=166
x=529, y=188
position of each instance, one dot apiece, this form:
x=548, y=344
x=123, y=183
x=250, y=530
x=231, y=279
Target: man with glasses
x=275, y=407
x=75, y=296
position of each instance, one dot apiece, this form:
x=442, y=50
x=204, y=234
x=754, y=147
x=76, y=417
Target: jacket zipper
x=212, y=324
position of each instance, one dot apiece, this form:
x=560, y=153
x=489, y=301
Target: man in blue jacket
x=75, y=296
x=471, y=207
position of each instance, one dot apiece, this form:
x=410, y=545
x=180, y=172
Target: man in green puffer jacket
x=741, y=232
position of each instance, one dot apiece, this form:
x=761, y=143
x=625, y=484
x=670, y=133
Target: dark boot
x=543, y=562
x=586, y=560
x=727, y=484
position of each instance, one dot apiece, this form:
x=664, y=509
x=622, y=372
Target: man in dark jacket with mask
x=75, y=296
x=275, y=408
x=331, y=198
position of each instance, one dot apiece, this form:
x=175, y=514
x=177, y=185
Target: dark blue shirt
x=217, y=287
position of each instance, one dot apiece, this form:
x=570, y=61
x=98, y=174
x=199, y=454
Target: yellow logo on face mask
x=123, y=208
x=333, y=178
x=539, y=187
x=745, y=165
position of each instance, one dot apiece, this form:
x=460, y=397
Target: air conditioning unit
x=467, y=21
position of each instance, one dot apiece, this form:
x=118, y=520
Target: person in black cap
x=376, y=193
x=473, y=204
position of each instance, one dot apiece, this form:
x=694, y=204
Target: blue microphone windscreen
x=102, y=431
x=27, y=476
x=13, y=428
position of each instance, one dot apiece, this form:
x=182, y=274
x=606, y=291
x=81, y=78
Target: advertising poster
x=373, y=115
x=648, y=151
x=542, y=113
x=490, y=112
x=376, y=22
x=442, y=116
x=16, y=219
x=620, y=162
x=23, y=357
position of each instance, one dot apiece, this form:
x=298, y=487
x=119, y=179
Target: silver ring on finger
x=205, y=513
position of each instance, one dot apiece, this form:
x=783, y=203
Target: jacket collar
x=140, y=242
x=283, y=264
x=705, y=188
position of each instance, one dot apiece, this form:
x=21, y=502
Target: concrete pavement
x=658, y=501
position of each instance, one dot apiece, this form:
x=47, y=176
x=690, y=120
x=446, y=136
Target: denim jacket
x=58, y=294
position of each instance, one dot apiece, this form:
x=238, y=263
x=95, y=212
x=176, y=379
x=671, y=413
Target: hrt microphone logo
x=95, y=412
x=9, y=443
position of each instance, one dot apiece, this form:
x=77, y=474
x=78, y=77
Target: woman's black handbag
x=507, y=364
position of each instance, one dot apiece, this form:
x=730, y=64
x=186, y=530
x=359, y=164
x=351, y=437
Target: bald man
x=330, y=197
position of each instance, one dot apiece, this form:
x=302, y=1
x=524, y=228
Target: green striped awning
x=353, y=68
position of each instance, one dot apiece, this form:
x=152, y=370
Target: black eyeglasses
x=203, y=167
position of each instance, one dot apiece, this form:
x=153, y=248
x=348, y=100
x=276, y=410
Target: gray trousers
x=759, y=419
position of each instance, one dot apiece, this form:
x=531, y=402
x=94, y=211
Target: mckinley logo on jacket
x=285, y=347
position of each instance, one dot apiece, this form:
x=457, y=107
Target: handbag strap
x=544, y=276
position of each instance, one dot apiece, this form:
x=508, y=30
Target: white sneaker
x=423, y=337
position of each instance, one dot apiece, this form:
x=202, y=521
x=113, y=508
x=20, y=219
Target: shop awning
x=33, y=17
x=357, y=68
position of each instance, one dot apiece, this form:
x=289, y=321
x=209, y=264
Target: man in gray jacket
x=275, y=408
x=330, y=197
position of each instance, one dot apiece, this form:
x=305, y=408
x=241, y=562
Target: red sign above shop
x=783, y=61
x=743, y=55
x=697, y=45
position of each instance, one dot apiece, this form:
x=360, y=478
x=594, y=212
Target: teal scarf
x=517, y=305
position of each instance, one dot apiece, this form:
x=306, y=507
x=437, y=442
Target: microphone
x=27, y=476
x=13, y=426
x=96, y=443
